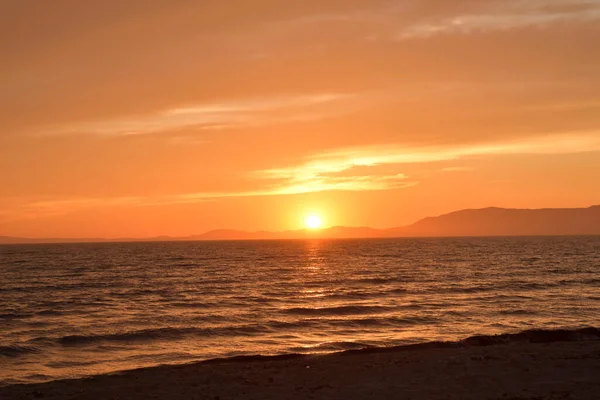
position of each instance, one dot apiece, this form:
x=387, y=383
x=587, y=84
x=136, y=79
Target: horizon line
x=301, y=231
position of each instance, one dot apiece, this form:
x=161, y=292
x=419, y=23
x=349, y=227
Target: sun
x=313, y=222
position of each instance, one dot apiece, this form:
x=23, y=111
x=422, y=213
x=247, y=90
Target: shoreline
x=368, y=366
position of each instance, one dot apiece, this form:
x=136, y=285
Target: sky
x=126, y=118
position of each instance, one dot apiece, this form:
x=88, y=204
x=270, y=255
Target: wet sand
x=531, y=365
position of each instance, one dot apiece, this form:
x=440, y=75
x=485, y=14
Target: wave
x=363, y=294
x=535, y=336
x=340, y=310
x=171, y=333
x=380, y=322
x=376, y=280
x=17, y=350
x=517, y=312
x=516, y=286
x=529, y=336
x=68, y=364
x=331, y=347
x=347, y=347
x=42, y=287
x=344, y=324
x=49, y=313
x=157, y=334
x=14, y=315
x=189, y=304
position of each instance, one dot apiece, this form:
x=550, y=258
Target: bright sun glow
x=313, y=222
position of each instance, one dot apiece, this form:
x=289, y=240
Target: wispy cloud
x=323, y=183
x=215, y=116
x=278, y=187
x=268, y=187
x=565, y=143
x=505, y=15
x=353, y=169
x=426, y=18
x=47, y=208
x=323, y=165
x=456, y=169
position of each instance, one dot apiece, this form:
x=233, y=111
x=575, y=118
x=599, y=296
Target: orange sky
x=137, y=118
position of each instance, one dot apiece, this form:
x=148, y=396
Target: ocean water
x=70, y=310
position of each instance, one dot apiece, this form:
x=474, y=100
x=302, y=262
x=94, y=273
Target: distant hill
x=490, y=221
x=507, y=222
x=16, y=240
x=10, y=239
x=340, y=232
x=231, y=234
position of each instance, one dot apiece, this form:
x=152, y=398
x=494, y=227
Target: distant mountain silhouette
x=490, y=221
x=17, y=240
x=495, y=221
x=333, y=232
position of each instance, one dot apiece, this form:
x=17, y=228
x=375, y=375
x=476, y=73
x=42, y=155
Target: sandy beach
x=529, y=365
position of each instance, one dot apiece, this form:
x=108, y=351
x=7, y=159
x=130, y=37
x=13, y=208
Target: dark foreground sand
x=530, y=365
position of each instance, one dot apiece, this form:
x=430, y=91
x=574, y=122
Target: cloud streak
x=221, y=115
x=60, y=207
x=326, y=164
x=351, y=169
x=505, y=15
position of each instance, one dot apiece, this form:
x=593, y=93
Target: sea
x=74, y=310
